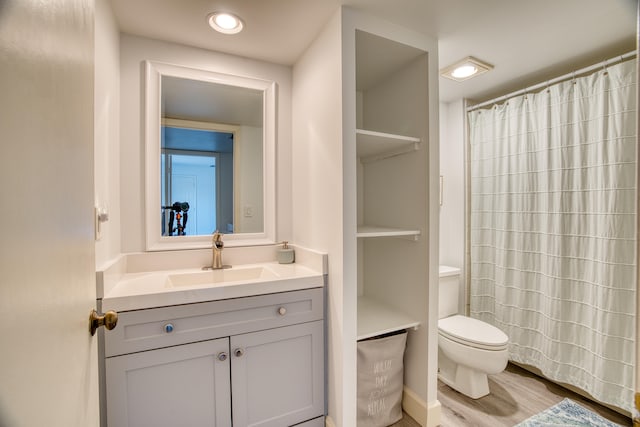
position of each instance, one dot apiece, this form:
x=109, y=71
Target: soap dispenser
x=285, y=254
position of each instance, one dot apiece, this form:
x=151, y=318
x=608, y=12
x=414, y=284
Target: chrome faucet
x=217, y=247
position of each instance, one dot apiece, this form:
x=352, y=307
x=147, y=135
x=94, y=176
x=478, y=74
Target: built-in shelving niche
x=368, y=231
x=389, y=146
x=375, y=318
x=372, y=146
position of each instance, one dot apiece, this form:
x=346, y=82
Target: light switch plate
x=100, y=215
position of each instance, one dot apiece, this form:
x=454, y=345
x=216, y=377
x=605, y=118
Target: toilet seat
x=473, y=333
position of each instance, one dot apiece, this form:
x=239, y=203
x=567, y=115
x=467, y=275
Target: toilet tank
x=448, y=289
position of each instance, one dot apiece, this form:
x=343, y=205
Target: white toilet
x=468, y=349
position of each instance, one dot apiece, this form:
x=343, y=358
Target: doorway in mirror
x=197, y=170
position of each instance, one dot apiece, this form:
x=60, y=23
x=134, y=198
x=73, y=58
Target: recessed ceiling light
x=225, y=22
x=465, y=69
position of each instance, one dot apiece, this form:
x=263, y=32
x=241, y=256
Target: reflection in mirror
x=194, y=164
x=210, y=149
x=211, y=158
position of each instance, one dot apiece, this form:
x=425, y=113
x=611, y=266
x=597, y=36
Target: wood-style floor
x=516, y=394
x=406, y=421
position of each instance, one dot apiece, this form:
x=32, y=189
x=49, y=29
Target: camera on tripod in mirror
x=178, y=214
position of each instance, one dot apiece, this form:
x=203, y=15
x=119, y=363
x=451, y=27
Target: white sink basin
x=212, y=277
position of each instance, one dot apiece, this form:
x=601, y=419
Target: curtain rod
x=547, y=83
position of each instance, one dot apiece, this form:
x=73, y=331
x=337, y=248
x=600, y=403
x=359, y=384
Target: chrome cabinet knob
x=282, y=311
x=222, y=356
x=168, y=328
x=238, y=352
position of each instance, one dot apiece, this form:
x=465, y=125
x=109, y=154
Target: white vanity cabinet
x=185, y=385
x=276, y=376
x=255, y=361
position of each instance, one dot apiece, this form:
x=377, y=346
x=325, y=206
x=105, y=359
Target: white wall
x=107, y=129
x=249, y=155
x=452, y=169
x=318, y=201
x=133, y=51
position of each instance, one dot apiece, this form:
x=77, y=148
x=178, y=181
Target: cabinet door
x=278, y=376
x=185, y=386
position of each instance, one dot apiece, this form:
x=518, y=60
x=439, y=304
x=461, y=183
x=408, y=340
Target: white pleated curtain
x=553, y=200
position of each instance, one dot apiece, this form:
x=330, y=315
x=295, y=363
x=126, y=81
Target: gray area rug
x=567, y=413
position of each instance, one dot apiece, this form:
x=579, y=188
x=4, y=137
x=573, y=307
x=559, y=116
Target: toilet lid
x=472, y=332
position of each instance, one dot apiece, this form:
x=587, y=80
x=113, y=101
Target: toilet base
x=470, y=382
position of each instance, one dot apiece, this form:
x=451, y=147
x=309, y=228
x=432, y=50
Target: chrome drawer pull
x=282, y=311
x=238, y=352
x=222, y=356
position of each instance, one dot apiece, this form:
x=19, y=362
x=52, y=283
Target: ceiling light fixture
x=225, y=22
x=465, y=69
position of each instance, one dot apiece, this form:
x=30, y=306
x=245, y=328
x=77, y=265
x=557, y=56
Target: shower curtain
x=552, y=229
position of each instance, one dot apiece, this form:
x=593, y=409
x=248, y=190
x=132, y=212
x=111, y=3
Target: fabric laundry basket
x=380, y=380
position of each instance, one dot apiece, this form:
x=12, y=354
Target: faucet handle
x=217, y=239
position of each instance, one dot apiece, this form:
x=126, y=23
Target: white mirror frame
x=153, y=90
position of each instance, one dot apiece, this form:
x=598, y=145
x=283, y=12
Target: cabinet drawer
x=167, y=326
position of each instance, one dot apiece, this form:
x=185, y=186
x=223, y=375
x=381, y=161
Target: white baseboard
x=415, y=407
x=434, y=412
x=328, y=422
x=425, y=415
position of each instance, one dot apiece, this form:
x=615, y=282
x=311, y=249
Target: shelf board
x=374, y=318
x=374, y=231
x=371, y=145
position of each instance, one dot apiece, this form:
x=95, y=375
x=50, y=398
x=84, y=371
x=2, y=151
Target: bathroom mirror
x=210, y=158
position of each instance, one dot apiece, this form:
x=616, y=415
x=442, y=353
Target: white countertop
x=125, y=289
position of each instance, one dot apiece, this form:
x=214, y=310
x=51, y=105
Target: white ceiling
x=527, y=41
